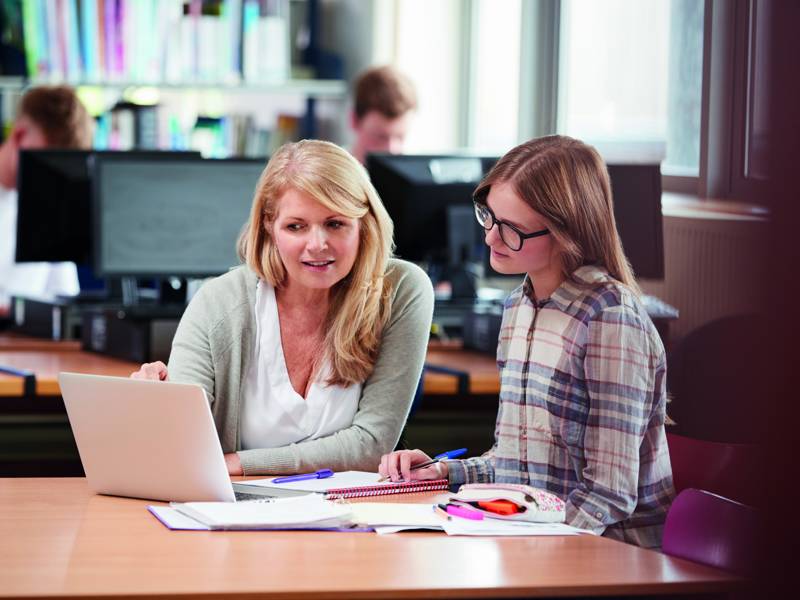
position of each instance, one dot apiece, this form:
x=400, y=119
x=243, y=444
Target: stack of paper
x=304, y=512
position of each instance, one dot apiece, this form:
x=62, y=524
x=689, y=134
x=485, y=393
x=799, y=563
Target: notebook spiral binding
x=404, y=487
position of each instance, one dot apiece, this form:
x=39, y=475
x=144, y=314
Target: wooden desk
x=47, y=363
x=59, y=541
x=484, y=378
x=14, y=342
x=46, y=358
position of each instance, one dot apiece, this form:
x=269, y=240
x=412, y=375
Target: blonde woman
x=582, y=369
x=311, y=351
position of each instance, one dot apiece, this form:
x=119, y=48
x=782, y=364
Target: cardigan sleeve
x=191, y=360
x=386, y=396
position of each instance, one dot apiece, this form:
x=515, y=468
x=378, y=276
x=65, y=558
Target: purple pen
x=321, y=474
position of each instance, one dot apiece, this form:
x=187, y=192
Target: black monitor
x=54, y=203
x=168, y=217
x=636, y=189
x=430, y=201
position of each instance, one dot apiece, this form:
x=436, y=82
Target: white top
x=273, y=413
x=36, y=279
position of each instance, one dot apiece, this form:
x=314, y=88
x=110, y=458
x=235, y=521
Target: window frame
x=732, y=43
x=726, y=97
x=726, y=90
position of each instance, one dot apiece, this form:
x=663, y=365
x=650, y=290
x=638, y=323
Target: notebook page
x=309, y=510
x=397, y=514
x=341, y=479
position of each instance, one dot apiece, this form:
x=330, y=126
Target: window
x=630, y=78
x=495, y=86
x=427, y=44
x=679, y=81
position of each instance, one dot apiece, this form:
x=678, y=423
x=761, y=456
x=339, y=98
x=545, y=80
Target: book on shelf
x=155, y=41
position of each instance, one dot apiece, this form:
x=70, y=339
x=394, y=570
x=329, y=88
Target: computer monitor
x=636, y=189
x=167, y=217
x=430, y=201
x=54, y=203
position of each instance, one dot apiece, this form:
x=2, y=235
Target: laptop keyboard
x=244, y=496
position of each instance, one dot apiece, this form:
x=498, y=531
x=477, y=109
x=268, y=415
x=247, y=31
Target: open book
x=311, y=511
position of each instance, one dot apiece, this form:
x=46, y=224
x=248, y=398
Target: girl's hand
x=397, y=466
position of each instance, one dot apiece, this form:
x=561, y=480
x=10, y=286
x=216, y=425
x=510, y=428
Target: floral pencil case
x=511, y=501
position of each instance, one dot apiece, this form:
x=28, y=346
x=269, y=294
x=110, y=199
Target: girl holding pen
x=582, y=368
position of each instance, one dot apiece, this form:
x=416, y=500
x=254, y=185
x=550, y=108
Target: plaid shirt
x=582, y=407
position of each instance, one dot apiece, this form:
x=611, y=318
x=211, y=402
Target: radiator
x=714, y=267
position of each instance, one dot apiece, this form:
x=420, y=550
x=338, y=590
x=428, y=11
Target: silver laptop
x=147, y=439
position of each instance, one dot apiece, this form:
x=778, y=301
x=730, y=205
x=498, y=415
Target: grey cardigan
x=214, y=347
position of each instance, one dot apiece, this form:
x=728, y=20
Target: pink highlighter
x=461, y=511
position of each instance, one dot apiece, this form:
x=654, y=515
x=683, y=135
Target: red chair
x=730, y=470
x=712, y=530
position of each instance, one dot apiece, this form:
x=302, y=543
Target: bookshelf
x=222, y=67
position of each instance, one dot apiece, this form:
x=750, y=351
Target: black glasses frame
x=480, y=206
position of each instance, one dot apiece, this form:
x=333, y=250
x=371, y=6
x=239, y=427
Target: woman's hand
x=234, y=464
x=397, y=466
x=154, y=370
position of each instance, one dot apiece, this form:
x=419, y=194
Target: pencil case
x=511, y=501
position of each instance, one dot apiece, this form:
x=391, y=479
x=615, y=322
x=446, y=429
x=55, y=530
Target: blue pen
x=444, y=455
x=435, y=459
x=321, y=474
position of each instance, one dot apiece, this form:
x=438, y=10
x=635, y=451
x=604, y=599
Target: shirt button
x=599, y=515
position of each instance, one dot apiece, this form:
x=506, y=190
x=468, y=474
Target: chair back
x=729, y=470
x=715, y=377
x=712, y=530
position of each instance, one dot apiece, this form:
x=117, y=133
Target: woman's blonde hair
x=566, y=182
x=361, y=302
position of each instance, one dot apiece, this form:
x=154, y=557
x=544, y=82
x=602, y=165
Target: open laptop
x=148, y=439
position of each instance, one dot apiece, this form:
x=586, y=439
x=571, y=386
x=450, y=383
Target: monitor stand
x=462, y=283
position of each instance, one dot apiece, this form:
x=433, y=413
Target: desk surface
x=47, y=362
x=59, y=540
x=46, y=358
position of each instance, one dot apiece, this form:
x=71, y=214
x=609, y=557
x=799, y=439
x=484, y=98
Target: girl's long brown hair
x=566, y=181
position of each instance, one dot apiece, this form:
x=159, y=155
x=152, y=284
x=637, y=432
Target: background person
x=47, y=117
x=311, y=352
x=384, y=101
x=582, y=368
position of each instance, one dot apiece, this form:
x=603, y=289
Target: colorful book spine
x=74, y=64
x=89, y=40
x=33, y=45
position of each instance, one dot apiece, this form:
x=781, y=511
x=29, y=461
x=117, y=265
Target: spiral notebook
x=348, y=484
x=402, y=487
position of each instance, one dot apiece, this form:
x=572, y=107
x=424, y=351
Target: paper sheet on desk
x=458, y=526
x=342, y=479
x=395, y=514
x=301, y=512
x=176, y=520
